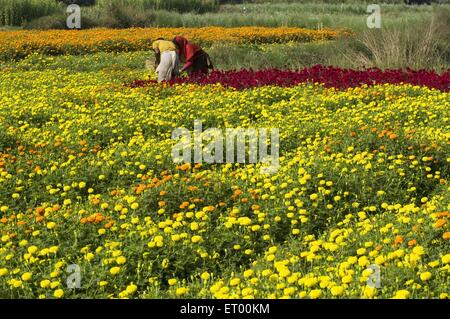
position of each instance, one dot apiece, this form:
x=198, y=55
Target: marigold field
x=19, y=44
x=87, y=179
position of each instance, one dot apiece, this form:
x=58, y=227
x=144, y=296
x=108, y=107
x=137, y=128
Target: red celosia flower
x=329, y=76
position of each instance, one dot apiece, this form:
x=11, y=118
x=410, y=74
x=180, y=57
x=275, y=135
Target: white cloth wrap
x=168, y=66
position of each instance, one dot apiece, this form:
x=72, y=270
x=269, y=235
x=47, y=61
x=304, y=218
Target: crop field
x=359, y=206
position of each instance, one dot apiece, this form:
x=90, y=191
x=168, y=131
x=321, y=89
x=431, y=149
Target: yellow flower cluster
x=17, y=44
x=86, y=178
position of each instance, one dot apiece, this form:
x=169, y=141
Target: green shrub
x=59, y=21
x=199, y=6
x=54, y=21
x=79, y=2
x=118, y=15
x=17, y=12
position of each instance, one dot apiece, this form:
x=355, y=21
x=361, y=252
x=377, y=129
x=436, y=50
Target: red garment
x=188, y=51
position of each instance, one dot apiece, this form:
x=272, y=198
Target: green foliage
x=58, y=21
x=16, y=12
x=198, y=6
x=119, y=15
x=308, y=15
x=79, y=2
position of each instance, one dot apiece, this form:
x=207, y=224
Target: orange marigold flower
x=184, y=205
x=40, y=210
x=443, y=214
x=440, y=223
x=39, y=218
x=412, y=242
x=109, y=225
x=398, y=240
x=185, y=166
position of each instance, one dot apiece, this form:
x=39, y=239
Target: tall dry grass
x=424, y=45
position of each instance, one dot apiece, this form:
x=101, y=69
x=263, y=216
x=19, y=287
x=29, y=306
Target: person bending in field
x=166, y=59
x=194, y=58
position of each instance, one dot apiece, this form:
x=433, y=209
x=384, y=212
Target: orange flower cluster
x=94, y=218
x=18, y=44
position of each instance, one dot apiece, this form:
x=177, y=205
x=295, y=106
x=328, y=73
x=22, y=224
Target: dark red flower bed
x=329, y=76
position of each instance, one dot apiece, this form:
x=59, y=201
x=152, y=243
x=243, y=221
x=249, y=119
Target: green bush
x=117, y=15
x=59, y=21
x=54, y=21
x=199, y=6
x=79, y=2
x=17, y=12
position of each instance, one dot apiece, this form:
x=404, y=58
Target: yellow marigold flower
x=418, y=250
x=248, y=273
x=26, y=276
x=425, y=276
x=446, y=259
x=402, y=294
x=205, y=275
x=59, y=293
x=369, y=292
x=32, y=249
x=315, y=293
x=196, y=239
x=131, y=289
x=289, y=291
x=361, y=251
x=172, y=281
x=114, y=270
x=89, y=256
x=54, y=284
x=16, y=283
x=337, y=291
x=347, y=279
x=235, y=281
x=310, y=282
x=181, y=291
x=45, y=283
